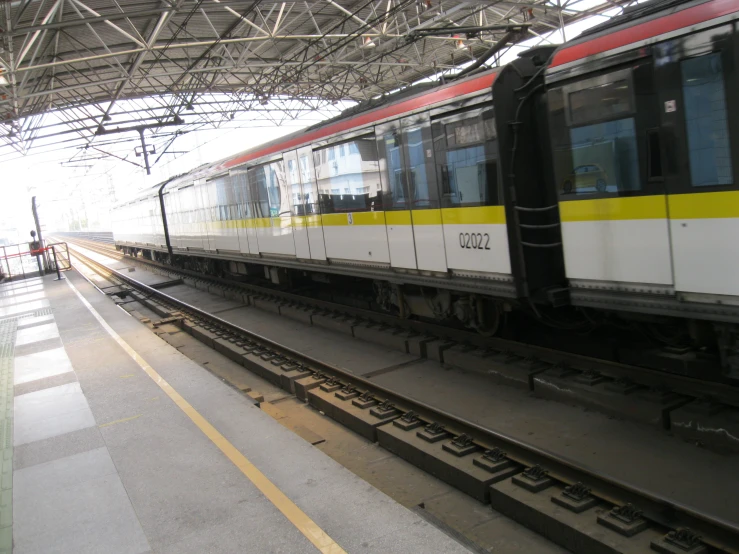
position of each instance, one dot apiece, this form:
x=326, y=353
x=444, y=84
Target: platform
x=122, y=444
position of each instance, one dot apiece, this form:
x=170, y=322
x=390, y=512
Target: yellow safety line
x=297, y=517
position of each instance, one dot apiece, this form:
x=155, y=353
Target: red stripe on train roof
x=649, y=29
x=440, y=95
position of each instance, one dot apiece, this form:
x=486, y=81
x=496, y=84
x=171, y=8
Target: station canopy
x=95, y=73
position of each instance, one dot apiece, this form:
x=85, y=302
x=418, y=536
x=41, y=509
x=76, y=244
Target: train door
x=273, y=221
x=251, y=210
x=206, y=216
x=397, y=203
x=185, y=197
x=240, y=185
x=310, y=204
x=295, y=190
x=233, y=213
x=351, y=199
x=473, y=215
x=210, y=224
x=613, y=207
x=418, y=151
x=700, y=129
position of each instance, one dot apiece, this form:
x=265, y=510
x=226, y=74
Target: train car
x=407, y=195
x=594, y=179
x=139, y=221
x=645, y=139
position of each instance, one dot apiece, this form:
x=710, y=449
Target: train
x=587, y=182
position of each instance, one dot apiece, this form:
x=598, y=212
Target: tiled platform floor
x=105, y=461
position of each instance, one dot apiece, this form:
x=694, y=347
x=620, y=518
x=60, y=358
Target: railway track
x=456, y=346
x=570, y=503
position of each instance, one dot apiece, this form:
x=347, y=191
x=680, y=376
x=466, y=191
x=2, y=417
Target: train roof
x=634, y=13
x=639, y=25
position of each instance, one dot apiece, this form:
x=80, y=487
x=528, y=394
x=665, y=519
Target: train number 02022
x=477, y=241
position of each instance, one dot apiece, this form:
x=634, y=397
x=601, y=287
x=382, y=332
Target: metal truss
x=90, y=74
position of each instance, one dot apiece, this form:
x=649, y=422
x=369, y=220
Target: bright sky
x=84, y=193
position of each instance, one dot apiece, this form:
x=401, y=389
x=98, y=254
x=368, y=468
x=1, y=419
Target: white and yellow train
x=600, y=175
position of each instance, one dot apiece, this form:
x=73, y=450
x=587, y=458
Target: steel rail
x=717, y=532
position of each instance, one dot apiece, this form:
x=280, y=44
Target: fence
x=19, y=261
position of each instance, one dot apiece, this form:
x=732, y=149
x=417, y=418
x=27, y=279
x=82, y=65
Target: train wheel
x=490, y=316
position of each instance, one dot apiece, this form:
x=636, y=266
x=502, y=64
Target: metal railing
x=29, y=259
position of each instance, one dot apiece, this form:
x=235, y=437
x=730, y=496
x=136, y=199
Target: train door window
x=390, y=143
x=265, y=182
x=229, y=198
x=241, y=186
x=308, y=201
x=351, y=183
x=598, y=152
x=467, y=159
x=293, y=184
x=273, y=190
x=706, y=120
x=422, y=188
x=221, y=184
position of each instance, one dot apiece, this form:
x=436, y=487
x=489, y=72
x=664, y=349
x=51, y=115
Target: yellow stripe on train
x=475, y=215
x=700, y=205
x=704, y=205
x=608, y=209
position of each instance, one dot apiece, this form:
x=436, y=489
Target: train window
x=396, y=192
x=308, y=202
x=265, y=184
x=420, y=162
x=342, y=181
x=293, y=184
x=467, y=159
x=604, y=158
x=224, y=197
x=706, y=120
x=595, y=137
x=241, y=185
x=606, y=101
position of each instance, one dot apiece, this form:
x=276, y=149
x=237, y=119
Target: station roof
x=77, y=73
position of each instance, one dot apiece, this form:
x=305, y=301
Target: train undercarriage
x=694, y=347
